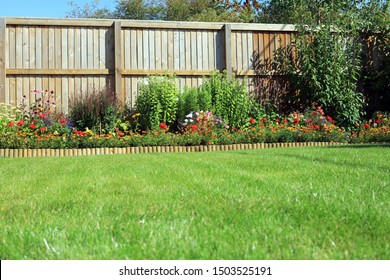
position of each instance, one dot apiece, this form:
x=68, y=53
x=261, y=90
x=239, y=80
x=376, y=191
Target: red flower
x=42, y=129
x=32, y=126
x=277, y=120
x=63, y=121
x=317, y=127
x=10, y=124
x=21, y=122
x=252, y=120
x=366, y=126
x=264, y=120
x=163, y=126
x=194, y=127
x=120, y=134
x=80, y=133
x=378, y=121
x=285, y=121
x=296, y=120
x=42, y=115
x=329, y=119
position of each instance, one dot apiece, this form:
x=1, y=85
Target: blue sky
x=42, y=8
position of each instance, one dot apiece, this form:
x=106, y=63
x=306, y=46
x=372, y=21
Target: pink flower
x=319, y=109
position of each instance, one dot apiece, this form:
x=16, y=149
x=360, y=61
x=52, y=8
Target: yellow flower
x=88, y=131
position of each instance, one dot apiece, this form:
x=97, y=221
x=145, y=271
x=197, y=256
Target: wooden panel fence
x=79, y=56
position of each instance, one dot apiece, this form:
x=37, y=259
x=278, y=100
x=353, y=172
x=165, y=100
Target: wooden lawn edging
x=28, y=153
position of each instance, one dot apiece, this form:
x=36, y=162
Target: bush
x=188, y=103
x=99, y=111
x=226, y=99
x=229, y=99
x=326, y=69
x=157, y=102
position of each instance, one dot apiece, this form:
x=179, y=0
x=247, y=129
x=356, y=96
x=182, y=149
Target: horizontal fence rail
x=72, y=56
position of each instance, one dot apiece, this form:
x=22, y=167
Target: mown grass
x=296, y=203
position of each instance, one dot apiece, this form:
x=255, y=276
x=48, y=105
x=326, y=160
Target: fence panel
x=81, y=56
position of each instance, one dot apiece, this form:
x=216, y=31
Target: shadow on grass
x=345, y=161
x=360, y=146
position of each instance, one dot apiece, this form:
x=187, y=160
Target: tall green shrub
x=188, y=102
x=325, y=69
x=229, y=99
x=194, y=99
x=157, y=101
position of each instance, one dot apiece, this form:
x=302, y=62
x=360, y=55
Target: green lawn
x=292, y=203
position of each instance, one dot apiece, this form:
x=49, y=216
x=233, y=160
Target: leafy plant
x=188, y=102
x=229, y=99
x=157, y=102
x=325, y=69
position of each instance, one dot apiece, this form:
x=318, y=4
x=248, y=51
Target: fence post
x=228, y=51
x=2, y=59
x=118, y=59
